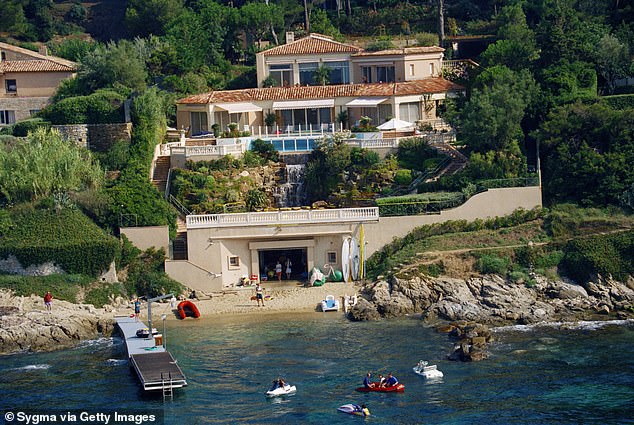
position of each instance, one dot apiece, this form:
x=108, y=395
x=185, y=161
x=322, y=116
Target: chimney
x=290, y=37
x=43, y=50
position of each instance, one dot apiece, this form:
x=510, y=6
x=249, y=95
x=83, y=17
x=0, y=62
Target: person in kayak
x=391, y=380
x=381, y=381
x=367, y=382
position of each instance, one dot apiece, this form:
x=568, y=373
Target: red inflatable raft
x=188, y=308
x=398, y=388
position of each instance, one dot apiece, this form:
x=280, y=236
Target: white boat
x=330, y=304
x=423, y=369
x=354, y=409
x=277, y=391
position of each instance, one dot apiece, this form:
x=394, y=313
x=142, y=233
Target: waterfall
x=291, y=193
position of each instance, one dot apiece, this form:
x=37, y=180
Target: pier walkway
x=155, y=366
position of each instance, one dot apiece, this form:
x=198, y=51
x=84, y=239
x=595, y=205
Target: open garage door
x=269, y=258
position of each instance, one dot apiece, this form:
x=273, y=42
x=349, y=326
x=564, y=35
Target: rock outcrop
x=26, y=326
x=493, y=300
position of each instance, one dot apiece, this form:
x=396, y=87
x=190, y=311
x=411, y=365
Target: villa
x=28, y=80
x=405, y=84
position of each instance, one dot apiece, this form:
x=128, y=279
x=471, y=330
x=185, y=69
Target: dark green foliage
x=127, y=254
x=146, y=275
x=104, y=106
x=607, y=255
x=66, y=237
x=403, y=177
x=256, y=199
x=491, y=264
x=116, y=157
x=587, y=152
x=623, y=101
x=413, y=152
x=265, y=149
x=24, y=127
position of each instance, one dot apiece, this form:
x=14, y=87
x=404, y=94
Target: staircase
x=179, y=246
x=161, y=171
x=458, y=160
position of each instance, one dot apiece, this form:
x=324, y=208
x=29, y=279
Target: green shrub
x=101, y=107
x=382, y=43
x=403, y=177
x=127, y=254
x=146, y=275
x=518, y=276
x=265, y=149
x=102, y=294
x=24, y=127
x=607, y=255
x=490, y=264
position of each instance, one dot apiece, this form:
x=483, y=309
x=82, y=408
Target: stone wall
x=96, y=137
x=22, y=106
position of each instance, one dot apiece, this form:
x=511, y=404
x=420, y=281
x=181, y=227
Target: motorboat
x=398, y=388
x=354, y=409
x=426, y=370
x=330, y=304
x=187, y=308
x=145, y=332
x=277, y=391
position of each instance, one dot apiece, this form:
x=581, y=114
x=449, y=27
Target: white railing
x=374, y=143
x=340, y=215
x=209, y=150
x=155, y=155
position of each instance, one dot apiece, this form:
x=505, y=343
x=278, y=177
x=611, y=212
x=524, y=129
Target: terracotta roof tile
x=38, y=56
x=313, y=43
x=403, y=51
x=34, y=66
x=428, y=85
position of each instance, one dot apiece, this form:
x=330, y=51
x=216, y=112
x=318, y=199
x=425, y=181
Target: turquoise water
x=534, y=376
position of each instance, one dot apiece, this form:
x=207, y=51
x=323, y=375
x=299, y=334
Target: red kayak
x=188, y=308
x=398, y=388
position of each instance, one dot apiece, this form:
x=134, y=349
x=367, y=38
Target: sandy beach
x=279, y=298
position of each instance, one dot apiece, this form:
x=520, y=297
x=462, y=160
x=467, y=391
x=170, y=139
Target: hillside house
x=28, y=80
x=401, y=83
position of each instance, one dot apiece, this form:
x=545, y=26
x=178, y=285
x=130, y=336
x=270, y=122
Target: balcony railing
x=341, y=215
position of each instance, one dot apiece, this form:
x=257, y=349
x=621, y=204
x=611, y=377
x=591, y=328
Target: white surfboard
x=345, y=259
x=355, y=259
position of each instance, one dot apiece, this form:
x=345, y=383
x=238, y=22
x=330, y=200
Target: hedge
x=67, y=238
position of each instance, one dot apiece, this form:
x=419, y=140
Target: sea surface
x=579, y=373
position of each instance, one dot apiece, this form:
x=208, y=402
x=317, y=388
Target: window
x=366, y=74
x=282, y=74
x=309, y=117
x=332, y=257
x=411, y=69
x=32, y=112
x=11, y=86
x=7, y=117
x=234, y=262
x=409, y=111
x=198, y=123
x=385, y=74
x=3, y=56
x=339, y=72
x=431, y=69
x=307, y=73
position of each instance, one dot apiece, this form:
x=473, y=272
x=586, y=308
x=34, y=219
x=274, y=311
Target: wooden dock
x=155, y=366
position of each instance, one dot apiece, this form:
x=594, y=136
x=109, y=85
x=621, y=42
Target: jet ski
x=423, y=369
x=276, y=390
x=354, y=409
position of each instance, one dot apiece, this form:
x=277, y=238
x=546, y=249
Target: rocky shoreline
x=471, y=305
x=25, y=325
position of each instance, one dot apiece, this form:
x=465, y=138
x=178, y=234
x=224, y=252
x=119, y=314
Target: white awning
x=366, y=101
x=235, y=108
x=304, y=104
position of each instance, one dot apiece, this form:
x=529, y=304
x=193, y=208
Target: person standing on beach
x=48, y=301
x=259, y=294
x=278, y=271
x=288, y=268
